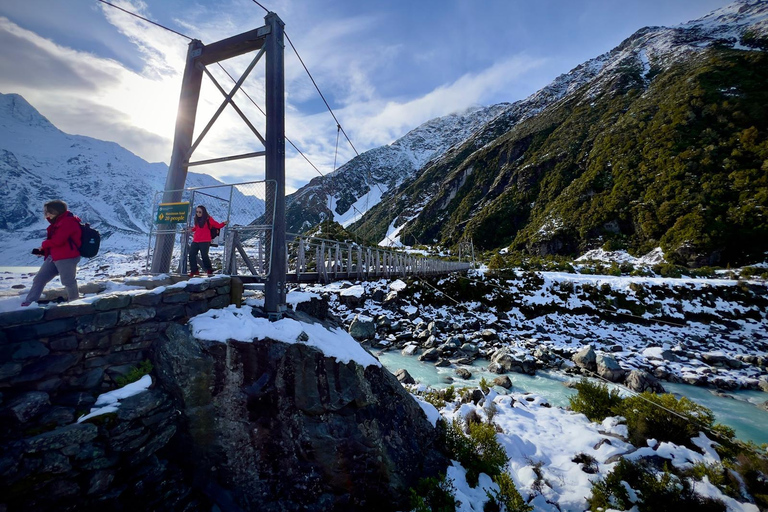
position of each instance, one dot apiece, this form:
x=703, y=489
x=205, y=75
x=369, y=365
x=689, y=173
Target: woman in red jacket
x=201, y=240
x=60, y=250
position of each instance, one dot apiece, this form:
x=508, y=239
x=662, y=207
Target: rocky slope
x=661, y=141
x=358, y=185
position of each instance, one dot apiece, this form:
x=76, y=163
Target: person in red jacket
x=201, y=240
x=60, y=250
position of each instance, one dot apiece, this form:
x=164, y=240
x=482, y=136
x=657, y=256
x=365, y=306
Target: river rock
x=763, y=383
x=362, y=328
x=639, y=381
x=410, y=349
x=430, y=355
x=384, y=323
x=496, y=368
x=463, y=373
x=404, y=377
x=502, y=381
x=586, y=358
x=609, y=369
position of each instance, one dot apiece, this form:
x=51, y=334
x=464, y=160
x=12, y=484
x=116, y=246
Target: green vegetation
x=137, y=372
x=665, y=418
x=680, y=162
x=507, y=495
x=433, y=495
x=651, y=491
x=595, y=401
x=478, y=450
x=649, y=416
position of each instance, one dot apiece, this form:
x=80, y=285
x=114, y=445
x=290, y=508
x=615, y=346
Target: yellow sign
x=172, y=213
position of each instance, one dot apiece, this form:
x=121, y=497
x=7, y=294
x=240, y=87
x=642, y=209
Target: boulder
x=639, y=381
x=362, y=328
x=431, y=354
x=586, y=358
x=404, y=377
x=496, y=368
x=609, y=369
x=503, y=382
x=463, y=373
x=410, y=349
x=489, y=335
x=384, y=323
x=286, y=427
x=314, y=307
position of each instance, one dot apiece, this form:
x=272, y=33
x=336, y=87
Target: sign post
x=172, y=213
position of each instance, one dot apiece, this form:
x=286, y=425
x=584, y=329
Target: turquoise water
x=740, y=413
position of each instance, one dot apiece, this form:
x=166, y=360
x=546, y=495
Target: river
x=740, y=412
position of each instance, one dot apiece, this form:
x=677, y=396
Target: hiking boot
x=210, y=274
x=194, y=274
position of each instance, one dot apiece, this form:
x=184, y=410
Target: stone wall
x=54, y=362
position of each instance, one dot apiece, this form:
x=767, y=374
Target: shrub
x=668, y=270
x=507, y=495
x=434, y=398
x=484, y=385
x=595, y=401
x=653, y=491
x=137, y=372
x=433, y=495
x=497, y=262
x=478, y=451
x=665, y=418
x=751, y=463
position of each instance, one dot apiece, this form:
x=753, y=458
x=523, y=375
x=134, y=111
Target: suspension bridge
x=262, y=251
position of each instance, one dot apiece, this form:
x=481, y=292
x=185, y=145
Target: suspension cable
x=145, y=19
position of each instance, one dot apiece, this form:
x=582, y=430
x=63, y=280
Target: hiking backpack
x=214, y=233
x=89, y=241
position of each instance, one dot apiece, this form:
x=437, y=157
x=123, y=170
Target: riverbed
x=736, y=409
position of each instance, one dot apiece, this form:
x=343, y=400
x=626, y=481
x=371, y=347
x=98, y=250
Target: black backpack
x=89, y=241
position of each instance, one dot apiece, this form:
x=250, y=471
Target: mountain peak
x=13, y=107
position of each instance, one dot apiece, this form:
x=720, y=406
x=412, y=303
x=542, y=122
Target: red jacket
x=203, y=234
x=64, y=237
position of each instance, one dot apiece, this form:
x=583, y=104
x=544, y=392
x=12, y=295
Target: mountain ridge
x=426, y=208
x=103, y=183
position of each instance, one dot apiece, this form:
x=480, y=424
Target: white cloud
x=87, y=94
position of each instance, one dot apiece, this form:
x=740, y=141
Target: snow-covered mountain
x=364, y=181
x=358, y=185
x=510, y=180
x=103, y=183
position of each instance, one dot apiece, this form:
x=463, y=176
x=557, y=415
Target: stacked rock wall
x=54, y=362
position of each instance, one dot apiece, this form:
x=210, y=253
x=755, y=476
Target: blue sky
x=385, y=67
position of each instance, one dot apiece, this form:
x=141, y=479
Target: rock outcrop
x=272, y=426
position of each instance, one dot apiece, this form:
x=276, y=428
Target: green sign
x=171, y=213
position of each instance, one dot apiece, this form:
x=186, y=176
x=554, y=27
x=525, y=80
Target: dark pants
x=202, y=248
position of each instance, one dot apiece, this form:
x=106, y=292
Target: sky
x=384, y=67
